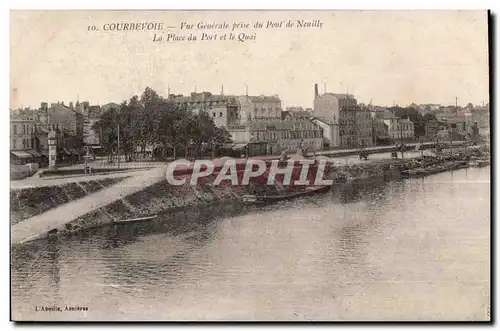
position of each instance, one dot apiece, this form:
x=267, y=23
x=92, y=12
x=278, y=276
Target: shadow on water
x=132, y=253
x=191, y=228
x=158, y=253
x=371, y=191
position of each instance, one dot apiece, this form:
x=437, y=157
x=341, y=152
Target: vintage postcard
x=250, y=165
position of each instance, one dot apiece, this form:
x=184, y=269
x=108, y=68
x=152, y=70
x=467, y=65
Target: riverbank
x=367, y=249
x=31, y=201
x=150, y=194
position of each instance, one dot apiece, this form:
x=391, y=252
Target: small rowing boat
x=285, y=196
x=138, y=219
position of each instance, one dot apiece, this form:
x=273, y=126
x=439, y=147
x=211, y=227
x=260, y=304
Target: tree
x=107, y=125
x=153, y=120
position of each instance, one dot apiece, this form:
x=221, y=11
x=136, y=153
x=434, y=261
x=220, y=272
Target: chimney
x=316, y=90
x=71, y=104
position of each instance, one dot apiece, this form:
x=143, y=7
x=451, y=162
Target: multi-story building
x=364, y=128
x=330, y=133
x=397, y=128
x=298, y=114
x=347, y=128
x=406, y=129
x=481, y=116
x=223, y=109
x=328, y=105
x=110, y=105
x=67, y=122
x=22, y=134
x=68, y=118
x=279, y=135
x=437, y=131
x=90, y=136
x=252, y=108
x=380, y=130
x=23, y=138
x=354, y=123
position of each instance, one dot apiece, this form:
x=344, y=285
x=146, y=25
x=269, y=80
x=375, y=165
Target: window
x=15, y=132
x=213, y=114
x=220, y=114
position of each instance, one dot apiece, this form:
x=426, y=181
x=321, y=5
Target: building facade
x=328, y=105
x=22, y=134
x=364, y=128
x=67, y=121
x=223, y=109
x=406, y=129
x=380, y=130
x=330, y=133
x=252, y=108
x=280, y=135
x=354, y=122
x=91, y=137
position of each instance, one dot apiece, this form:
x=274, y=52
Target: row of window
x=355, y=142
x=269, y=108
x=26, y=129
x=406, y=127
x=353, y=131
x=347, y=113
x=298, y=144
x=398, y=135
x=285, y=134
x=23, y=143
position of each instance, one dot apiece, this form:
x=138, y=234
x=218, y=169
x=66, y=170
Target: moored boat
x=138, y=219
x=479, y=163
x=289, y=194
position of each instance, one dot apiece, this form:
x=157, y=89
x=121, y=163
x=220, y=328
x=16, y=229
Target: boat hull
x=286, y=196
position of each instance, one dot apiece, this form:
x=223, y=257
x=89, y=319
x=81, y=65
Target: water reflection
x=359, y=251
x=169, y=242
x=53, y=254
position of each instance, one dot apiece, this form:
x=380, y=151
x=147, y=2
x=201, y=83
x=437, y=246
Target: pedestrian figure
x=284, y=156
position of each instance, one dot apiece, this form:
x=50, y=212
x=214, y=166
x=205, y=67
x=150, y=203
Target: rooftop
x=277, y=124
x=200, y=97
x=264, y=98
x=110, y=105
x=340, y=95
x=386, y=115
x=405, y=121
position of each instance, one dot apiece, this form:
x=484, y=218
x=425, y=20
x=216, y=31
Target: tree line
x=151, y=120
x=419, y=120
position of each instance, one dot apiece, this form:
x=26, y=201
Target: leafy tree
x=154, y=120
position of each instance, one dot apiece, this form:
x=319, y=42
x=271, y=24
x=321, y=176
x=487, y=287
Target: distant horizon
x=283, y=106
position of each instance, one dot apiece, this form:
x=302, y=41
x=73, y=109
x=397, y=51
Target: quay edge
x=151, y=194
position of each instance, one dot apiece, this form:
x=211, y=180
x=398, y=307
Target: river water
x=416, y=249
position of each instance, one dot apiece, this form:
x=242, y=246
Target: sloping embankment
x=149, y=193
x=31, y=201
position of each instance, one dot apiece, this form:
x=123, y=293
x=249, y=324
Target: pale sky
x=386, y=56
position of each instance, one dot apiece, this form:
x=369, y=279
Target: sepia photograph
x=250, y=165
